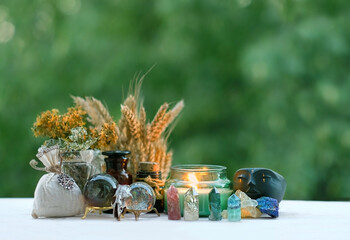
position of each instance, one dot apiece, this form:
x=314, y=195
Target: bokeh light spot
x=345, y=140
x=7, y=30
x=69, y=6
x=329, y=93
x=244, y=3
x=3, y=13
x=259, y=71
x=276, y=122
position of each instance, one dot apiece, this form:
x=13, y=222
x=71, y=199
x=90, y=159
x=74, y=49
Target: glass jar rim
x=200, y=168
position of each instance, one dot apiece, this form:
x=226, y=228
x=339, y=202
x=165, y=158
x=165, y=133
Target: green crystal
x=234, y=208
x=215, y=205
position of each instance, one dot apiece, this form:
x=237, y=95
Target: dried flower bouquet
x=147, y=141
x=70, y=131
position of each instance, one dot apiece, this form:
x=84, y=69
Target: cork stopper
x=149, y=167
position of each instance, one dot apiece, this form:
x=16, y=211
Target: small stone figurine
x=119, y=205
x=260, y=182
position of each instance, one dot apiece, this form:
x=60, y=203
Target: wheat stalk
x=131, y=103
x=176, y=110
x=151, y=153
x=98, y=114
x=166, y=167
x=146, y=140
x=142, y=151
x=162, y=120
x=133, y=123
x=162, y=155
x=142, y=120
x=158, y=124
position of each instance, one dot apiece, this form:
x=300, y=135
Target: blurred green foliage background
x=266, y=83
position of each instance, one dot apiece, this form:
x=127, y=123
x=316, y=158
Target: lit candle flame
x=193, y=180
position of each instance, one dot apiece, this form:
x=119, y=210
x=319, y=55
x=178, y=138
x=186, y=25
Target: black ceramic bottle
x=116, y=165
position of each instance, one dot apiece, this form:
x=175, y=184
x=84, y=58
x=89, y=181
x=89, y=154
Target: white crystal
x=191, y=205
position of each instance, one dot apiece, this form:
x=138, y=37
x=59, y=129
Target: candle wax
x=203, y=199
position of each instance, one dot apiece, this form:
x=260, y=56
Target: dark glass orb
x=100, y=189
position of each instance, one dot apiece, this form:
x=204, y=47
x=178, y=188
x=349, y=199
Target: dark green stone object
x=215, y=205
x=99, y=190
x=260, y=182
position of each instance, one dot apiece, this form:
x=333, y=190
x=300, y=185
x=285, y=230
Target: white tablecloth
x=298, y=220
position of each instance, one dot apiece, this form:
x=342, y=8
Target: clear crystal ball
x=143, y=197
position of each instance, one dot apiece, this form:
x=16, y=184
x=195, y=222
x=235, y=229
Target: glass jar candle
x=204, y=178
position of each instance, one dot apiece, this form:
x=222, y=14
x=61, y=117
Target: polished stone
x=224, y=214
x=248, y=206
x=174, y=211
x=268, y=205
x=191, y=205
x=234, y=208
x=215, y=205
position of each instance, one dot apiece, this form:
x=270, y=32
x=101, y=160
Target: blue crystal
x=268, y=205
x=234, y=208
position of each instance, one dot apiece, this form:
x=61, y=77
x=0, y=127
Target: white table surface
x=298, y=220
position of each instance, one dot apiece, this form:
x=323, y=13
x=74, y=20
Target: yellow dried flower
x=51, y=124
x=107, y=137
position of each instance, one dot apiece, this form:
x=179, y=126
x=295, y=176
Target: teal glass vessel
x=204, y=178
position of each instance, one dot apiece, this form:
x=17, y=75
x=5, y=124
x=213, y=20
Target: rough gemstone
x=215, y=205
x=99, y=190
x=248, y=205
x=142, y=197
x=224, y=214
x=234, y=208
x=268, y=205
x=174, y=212
x=191, y=205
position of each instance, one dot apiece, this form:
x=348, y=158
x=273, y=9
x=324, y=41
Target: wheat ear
x=98, y=113
x=159, y=126
x=177, y=109
x=131, y=103
x=142, y=120
x=166, y=167
x=133, y=123
x=156, y=131
x=162, y=154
